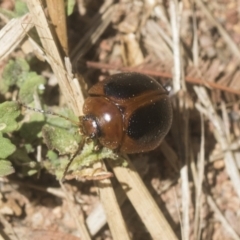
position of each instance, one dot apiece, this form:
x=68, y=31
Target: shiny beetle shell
x=128, y=112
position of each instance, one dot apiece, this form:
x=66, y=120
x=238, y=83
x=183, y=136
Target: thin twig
x=176, y=46
x=145, y=70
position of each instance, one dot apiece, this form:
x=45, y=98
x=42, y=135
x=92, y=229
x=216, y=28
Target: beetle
x=127, y=112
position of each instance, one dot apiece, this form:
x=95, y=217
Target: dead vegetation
x=190, y=184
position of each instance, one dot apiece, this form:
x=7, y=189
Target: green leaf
x=52, y=156
x=20, y=8
x=70, y=7
x=32, y=172
x=88, y=156
x=33, y=83
x=57, y=166
x=7, y=148
x=9, y=111
x=6, y=168
x=29, y=148
x=13, y=72
x=25, y=76
x=3, y=87
x=61, y=122
x=31, y=130
x=63, y=141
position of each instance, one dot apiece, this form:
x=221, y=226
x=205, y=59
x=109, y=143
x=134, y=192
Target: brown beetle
x=128, y=112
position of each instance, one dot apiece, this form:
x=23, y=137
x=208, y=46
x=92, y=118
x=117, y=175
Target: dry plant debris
x=192, y=47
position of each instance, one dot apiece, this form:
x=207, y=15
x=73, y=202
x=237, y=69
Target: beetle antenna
x=47, y=112
x=80, y=147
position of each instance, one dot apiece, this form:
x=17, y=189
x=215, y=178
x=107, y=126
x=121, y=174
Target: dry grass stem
x=176, y=46
x=13, y=33
x=97, y=218
x=99, y=23
x=51, y=50
x=200, y=177
x=157, y=39
x=195, y=48
x=75, y=87
x=56, y=9
x=56, y=63
x=156, y=28
x=143, y=202
x=185, y=202
x=114, y=216
x=178, y=84
x=208, y=110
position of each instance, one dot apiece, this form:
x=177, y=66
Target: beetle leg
x=80, y=147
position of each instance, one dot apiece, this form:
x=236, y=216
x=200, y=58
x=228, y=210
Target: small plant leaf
x=20, y=8
x=61, y=122
x=28, y=166
x=57, y=166
x=31, y=130
x=9, y=111
x=32, y=172
x=52, y=156
x=33, y=83
x=59, y=139
x=6, y=147
x=6, y=167
x=13, y=72
x=88, y=156
x=25, y=76
x=70, y=7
